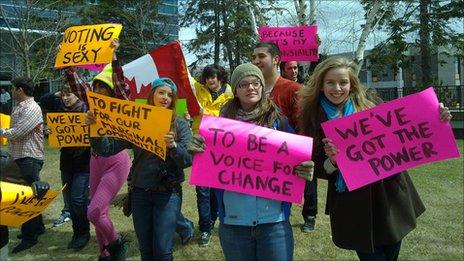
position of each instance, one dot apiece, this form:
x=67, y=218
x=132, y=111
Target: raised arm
x=78, y=85
x=121, y=88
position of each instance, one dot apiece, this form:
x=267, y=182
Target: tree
x=424, y=24
x=424, y=40
x=300, y=8
x=32, y=35
x=143, y=26
x=234, y=34
x=374, y=13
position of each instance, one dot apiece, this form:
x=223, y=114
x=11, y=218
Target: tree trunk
x=254, y=27
x=237, y=56
x=227, y=44
x=300, y=8
x=424, y=34
x=217, y=30
x=373, y=17
x=312, y=12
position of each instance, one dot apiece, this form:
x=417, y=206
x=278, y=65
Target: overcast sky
x=339, y=26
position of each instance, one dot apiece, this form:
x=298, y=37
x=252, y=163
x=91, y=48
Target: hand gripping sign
x=19, y=204
x=87, y=44
x=392, y=137
x=140, y=124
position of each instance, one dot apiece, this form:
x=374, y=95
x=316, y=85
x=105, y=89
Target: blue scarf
x=332, y=112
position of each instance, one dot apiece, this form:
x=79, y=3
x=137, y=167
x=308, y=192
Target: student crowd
x=371, y=220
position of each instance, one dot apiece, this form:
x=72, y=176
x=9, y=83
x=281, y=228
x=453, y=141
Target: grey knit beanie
x=244, y=70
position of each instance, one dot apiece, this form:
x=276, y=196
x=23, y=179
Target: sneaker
x=64, y=217
x=204, y=239
x=185, y=240
x=309, y=225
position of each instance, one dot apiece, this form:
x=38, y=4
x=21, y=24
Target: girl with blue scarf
x=252, y=227
x=371, y=220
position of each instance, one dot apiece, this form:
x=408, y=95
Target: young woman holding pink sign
x=253, y=228
x=374, y=219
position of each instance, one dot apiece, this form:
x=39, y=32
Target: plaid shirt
x=80, y=86
x=26, y=132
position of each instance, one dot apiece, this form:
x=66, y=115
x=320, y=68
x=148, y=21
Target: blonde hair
x=310, y=111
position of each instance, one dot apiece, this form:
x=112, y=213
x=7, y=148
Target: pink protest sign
x=296, y=43
x=93, y=67
x=250, y=159
x=390, y=138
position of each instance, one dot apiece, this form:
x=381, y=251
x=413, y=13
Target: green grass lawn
x=438, y=236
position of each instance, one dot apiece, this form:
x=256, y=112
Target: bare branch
x=252, y=19
x=373, y=17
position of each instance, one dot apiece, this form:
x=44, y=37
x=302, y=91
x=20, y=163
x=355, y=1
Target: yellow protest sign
x=140, y=124
x=67, y=130
x=4, y=124
x=19, y=204
x=87, y=44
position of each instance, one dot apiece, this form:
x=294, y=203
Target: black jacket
x=381, y=213
x=148, y=171
x=72, y=159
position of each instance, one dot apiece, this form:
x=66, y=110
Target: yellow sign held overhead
x=19, y=204
x=140, y=124
x=87, y=44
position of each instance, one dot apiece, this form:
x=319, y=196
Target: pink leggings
x=107, y=175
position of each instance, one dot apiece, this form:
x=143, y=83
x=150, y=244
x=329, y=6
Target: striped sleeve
x=77, y=84
x=121, y=88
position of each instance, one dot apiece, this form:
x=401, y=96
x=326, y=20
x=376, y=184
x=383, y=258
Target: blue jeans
x=207, y=208
x=76, y=193
x=30, y=169
x=155, y=216
x=273, y=241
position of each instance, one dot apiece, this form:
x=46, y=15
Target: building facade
x=11, y=65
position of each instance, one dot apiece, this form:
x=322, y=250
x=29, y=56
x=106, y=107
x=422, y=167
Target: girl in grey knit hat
x=252, y=227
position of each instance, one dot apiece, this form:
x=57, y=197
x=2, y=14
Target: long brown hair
x=171, y=107
x=310, y=112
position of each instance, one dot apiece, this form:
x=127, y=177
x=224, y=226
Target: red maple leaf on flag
x=165, y=61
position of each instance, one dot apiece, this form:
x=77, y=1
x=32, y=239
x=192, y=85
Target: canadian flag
x=165, y=61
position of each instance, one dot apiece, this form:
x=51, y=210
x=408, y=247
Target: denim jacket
x=247, y=210
x=148, y=171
